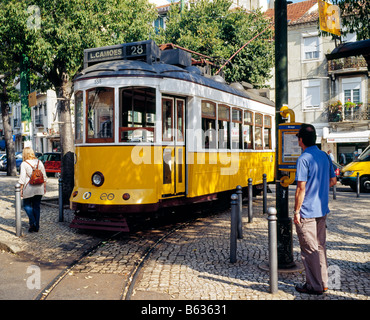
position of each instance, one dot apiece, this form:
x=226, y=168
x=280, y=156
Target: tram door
x=173, y=145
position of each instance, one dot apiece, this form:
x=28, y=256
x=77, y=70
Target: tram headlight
x=97, y=179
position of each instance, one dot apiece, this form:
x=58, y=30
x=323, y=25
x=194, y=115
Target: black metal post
x=264, y=178
x=234, y=224
x=335, y=192
x=18, y=220
x=285, y=234
x=61, y=212
x=358, y=184
x=239, y=192
x=250, y=201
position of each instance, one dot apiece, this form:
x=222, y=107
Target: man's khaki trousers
x=312, y=239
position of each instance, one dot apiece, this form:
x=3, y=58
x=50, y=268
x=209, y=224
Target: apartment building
x=332, y=95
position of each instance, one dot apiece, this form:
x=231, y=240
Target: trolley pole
x=284, y=223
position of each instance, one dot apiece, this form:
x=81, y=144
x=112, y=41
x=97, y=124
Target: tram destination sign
x=143, y=50
x=95, y=55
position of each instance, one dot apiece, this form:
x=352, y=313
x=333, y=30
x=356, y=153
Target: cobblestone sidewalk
x=194, y=263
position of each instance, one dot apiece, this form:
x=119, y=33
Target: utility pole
x=284, y=223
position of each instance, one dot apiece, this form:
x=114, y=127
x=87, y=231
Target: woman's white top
x=30, y=190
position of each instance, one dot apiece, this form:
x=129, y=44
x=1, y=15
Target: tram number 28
x=136, y=50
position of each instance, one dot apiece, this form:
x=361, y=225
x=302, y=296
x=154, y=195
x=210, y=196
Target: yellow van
x=361, y=165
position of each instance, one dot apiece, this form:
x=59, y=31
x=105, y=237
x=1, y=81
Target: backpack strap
x=27, y=173
x=30, y=164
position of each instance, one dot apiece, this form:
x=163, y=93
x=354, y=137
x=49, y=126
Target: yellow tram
x=151, y=131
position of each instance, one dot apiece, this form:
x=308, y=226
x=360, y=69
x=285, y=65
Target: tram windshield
x=100, y=105
x=137, y=114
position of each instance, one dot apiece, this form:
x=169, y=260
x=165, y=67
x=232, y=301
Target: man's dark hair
x=308, y=134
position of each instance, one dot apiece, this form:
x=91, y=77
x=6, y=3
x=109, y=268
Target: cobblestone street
x=193, y=262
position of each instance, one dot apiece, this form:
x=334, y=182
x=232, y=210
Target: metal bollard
x=335, y=192
x=264, y=178
x=234, y=223
x=18, y=220
x=60, y=200
x=250, y=201
x=358, y=184
x=273, y=259
x=239, y=192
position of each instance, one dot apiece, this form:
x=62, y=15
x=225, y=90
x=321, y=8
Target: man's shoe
x=325, y=289
x=303, y=288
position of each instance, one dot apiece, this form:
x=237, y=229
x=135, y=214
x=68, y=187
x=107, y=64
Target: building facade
x=331, y=95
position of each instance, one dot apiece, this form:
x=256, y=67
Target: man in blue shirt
x=315, y=175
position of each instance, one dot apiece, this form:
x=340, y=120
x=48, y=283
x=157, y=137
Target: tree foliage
x=211, y=28
x=13, y=41
x=355, y=17
x=69, y=27
x=54, y=37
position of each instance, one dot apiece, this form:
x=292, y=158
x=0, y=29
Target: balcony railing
x=356, y=62
x=341, y=113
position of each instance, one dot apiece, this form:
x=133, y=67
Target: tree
x=67, y=28
x=13, y=41
x=355, y=17
x=211, y=28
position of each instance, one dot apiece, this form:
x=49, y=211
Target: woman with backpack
x=33, y=186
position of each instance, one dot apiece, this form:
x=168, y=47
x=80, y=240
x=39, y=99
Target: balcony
x=350, y=112
x=345, y=65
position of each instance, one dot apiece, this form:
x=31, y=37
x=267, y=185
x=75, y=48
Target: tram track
x=155, y=236
x=43, y=295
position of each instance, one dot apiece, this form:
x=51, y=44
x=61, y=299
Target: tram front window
x=79, y=116
x=100, y=106
x=137, y=109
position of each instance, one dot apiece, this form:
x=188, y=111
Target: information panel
x=289, y=149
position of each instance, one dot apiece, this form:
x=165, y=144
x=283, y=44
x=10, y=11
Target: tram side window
x=267, y=132
x=223, y=127
x=209, y=125
x=167, y=119
x=258, y=131
x=137, y=110
x=236, y=129
x=100, y=110
x=79, y=116
x=180, y=120
x=248, y=130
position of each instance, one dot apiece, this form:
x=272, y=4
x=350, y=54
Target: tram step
x=111, y=225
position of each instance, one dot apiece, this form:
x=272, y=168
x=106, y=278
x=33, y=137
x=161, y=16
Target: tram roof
x=137, y=68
